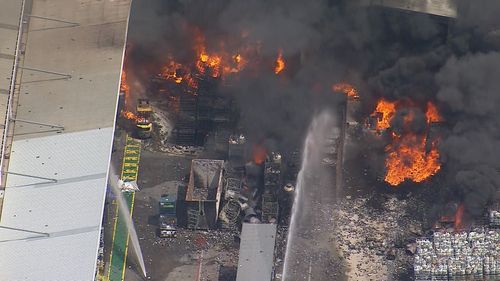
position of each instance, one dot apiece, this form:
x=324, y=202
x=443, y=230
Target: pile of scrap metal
x=446, y=256
x=246, y=196
x=230, y=213
x=272, y=183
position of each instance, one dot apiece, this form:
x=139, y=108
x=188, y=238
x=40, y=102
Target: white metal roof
x=68, y=211
x=256, y=252
x=56, y=182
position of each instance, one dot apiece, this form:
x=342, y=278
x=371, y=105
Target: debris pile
x=448, y=255
x=187, y=150
x=368, y=237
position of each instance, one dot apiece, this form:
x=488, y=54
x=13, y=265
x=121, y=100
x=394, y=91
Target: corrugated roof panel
x=256, y=252
x=49, y=259
x=69, y=211
x=61, y=157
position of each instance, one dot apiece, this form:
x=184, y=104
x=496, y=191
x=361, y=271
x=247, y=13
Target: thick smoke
x=469, y=89
x=461, y=75
x=273, y=108
x=384, y=52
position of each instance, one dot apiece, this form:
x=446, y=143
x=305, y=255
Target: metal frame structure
x=8, y=116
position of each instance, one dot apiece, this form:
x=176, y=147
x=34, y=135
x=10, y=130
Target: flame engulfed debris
x=385, y=111
x=280, y=63
x=347, y=89
x=129, y=115
x=407, y=157
x=216, y=64
x=432, y=113
x=169, y=71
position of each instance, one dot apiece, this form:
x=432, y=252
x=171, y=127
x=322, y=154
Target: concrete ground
x=312, y=252
x=169, y=259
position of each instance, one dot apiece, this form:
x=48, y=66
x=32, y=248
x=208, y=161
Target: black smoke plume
x=384, y=52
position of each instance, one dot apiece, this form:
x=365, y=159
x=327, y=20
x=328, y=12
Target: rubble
x=180, y=149
x=367, y=237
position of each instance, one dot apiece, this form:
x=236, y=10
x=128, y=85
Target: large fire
x=407, y=157
x=347, y=89
x=214, y=62
x=280, y=63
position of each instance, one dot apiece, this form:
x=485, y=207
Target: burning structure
x=424, y=82
x=199, y=109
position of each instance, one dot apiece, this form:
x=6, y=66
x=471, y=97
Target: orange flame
x=407, y=158
x=129, y=115
x=209, y=62
x=280, y=63
x=124, y=87
x=385, y=111
x=259, y=154
x=170, y=71
x=432, y=113
x=347, y=89
x=216, y=64
x=236, y=65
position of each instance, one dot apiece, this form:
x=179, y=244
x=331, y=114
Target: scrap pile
x=446, y=256
x=494, y=218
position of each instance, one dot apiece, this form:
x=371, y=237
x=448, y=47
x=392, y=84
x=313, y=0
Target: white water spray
x=125, y=213
x=320, y=128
